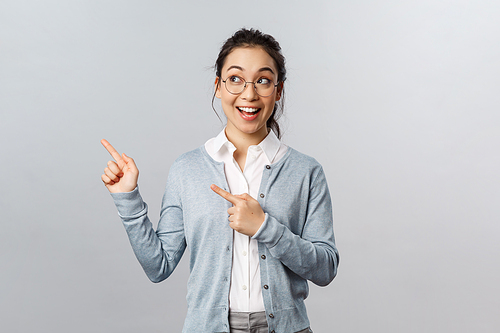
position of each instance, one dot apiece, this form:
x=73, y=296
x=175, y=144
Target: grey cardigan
x=296, y=243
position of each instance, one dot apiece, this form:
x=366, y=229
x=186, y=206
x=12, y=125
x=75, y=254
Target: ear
x=279, y=91
x=217, y=87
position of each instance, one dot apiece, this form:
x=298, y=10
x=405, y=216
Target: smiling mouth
x=248, y=112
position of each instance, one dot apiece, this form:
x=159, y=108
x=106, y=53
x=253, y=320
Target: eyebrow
x=263, y=69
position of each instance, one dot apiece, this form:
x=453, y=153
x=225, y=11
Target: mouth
x=248, y=113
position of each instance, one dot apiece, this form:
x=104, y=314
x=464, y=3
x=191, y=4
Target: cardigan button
x=262, y=195
x=266, y=286
x=272, y=331
x=268, y=167
x=263, y=257
x=271, y=315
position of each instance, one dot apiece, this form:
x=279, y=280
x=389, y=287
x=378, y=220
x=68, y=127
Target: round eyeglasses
x=235, y=85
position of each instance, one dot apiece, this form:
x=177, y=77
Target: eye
x=235, y=79
x=264, y=81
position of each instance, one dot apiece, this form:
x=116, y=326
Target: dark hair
x=254, y=38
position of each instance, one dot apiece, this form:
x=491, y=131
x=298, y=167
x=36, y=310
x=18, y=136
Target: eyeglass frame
x=245, y=86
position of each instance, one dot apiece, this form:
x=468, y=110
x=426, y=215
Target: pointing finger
x=111, y=150
x=226, y=195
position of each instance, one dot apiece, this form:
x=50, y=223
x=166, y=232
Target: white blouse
x=245, y=294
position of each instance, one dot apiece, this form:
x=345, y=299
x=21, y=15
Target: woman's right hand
x=121, y=174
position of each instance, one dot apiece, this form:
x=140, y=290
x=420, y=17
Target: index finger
x=226, y=195
x=111, y=150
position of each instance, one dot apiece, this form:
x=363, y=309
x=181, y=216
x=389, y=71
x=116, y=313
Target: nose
x=249, y=92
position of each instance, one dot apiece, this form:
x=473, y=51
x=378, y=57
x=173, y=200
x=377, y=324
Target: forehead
x=250, y=59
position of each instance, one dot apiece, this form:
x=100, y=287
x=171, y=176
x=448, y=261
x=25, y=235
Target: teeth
x=249, y=109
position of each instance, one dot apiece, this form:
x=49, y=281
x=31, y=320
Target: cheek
x=271, y=105
x=227, y=98
x=227, y=103
x=271, y=113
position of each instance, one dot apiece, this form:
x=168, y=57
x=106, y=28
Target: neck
x=244, y=140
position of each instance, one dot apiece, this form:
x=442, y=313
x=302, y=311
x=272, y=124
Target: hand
x=121, y=174
x=246, y=216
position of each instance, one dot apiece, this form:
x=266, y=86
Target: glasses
x=236, y=85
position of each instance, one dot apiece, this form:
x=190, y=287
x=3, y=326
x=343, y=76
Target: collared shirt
x=245, y=294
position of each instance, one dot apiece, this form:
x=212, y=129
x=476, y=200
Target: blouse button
x=262, y=195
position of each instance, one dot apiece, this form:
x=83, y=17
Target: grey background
x=397, y=99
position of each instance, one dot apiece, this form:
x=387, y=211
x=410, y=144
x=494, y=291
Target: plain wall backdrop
x=398, y=100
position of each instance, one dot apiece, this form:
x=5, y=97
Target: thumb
x=129, y=161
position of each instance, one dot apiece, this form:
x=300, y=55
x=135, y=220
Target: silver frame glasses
x=245, y=86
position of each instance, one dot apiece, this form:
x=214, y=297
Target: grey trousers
x=251, y=322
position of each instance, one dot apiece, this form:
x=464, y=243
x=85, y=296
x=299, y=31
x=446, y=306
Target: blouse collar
x=270, y=145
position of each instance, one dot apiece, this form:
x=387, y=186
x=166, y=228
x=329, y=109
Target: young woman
x=256, y=214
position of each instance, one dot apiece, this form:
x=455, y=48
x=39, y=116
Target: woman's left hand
x=246, y=216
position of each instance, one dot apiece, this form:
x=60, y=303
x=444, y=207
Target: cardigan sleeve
x=159, y=251
x=313, y=255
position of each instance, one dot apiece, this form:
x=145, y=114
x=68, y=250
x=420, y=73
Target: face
x=247, y=112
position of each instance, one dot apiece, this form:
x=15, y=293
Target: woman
x=255, y=240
